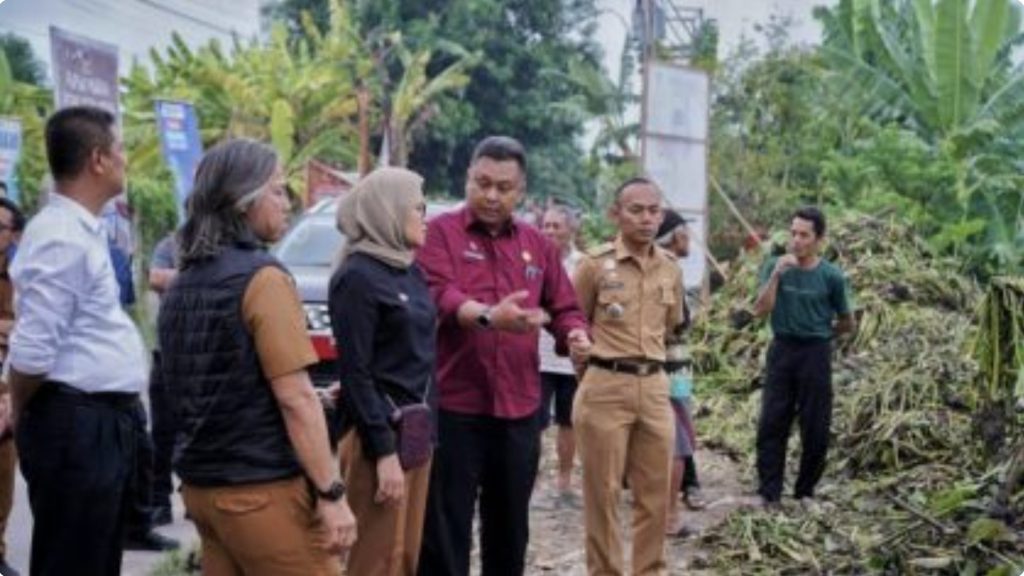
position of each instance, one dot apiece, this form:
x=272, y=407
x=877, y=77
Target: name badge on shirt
x=473, y=255
x=533, y=271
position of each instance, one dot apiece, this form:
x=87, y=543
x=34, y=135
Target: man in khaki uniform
x=631, y=292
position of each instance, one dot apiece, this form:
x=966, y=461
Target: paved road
x=19, y=536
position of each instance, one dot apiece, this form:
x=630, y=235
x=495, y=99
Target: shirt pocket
x=667, y=294
x=612, y=304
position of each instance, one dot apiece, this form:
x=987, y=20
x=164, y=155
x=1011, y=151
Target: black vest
x=231, y=428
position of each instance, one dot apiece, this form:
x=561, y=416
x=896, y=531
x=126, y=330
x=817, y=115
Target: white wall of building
x=133, y=25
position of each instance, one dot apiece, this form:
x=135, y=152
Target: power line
x=186, y=16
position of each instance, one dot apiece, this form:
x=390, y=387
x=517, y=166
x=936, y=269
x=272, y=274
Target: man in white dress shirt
x=76, y=360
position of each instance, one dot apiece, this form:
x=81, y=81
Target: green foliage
x=30, y=104
x=300, y=97
x=519, y=87
x=909, y=107
x=153, y=198
x=24, y=66
x=769, y=136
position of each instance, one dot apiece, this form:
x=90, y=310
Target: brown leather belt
x=633, y=367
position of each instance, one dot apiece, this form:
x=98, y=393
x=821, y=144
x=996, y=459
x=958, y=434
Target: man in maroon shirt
x=496, y=282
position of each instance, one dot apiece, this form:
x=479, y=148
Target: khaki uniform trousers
x=8, y=470
x=266, y=529
x=389, y=534
x=624, y=428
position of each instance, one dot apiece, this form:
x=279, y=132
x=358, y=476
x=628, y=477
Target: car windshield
x=313, y=242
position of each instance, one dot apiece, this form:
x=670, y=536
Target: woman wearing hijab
x=384, y=322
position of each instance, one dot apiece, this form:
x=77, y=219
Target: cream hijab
x=372, y=215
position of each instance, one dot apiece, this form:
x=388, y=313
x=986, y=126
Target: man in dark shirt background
x=496, y=282
x=808, y=301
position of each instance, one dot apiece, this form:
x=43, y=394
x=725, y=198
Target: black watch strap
x=483, y=320
x=333, y=493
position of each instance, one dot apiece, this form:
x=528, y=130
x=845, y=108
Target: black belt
x=116, y=400
x=801, y=340
x=634, y=367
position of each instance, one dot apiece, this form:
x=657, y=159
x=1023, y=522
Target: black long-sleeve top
x=384, y=323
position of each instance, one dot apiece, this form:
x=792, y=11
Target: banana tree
x=300, y=96
x=412, y=103
x=944, y=70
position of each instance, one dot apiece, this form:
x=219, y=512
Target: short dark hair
x=17, y=216
x=617, y=195
x=813, y=215
x=500, y=148
x=71, y=136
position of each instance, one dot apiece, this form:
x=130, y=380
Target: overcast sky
x=134, y=25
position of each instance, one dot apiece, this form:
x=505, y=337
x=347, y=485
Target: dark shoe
x=6, y=569
x=684, y=532
x=694, y=499
x=771, y=505
x=162, y=516
x=150, y=542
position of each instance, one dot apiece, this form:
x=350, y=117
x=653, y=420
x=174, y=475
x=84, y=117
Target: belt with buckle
x=634, y=367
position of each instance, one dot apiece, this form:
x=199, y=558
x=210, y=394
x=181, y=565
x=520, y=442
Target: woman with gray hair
x=384, y=322
x=252, y=451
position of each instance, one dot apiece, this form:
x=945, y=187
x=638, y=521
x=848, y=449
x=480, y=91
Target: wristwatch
x=483, y=320
x=334, y=492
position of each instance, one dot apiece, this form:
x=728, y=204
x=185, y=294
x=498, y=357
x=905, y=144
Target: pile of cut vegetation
x=922, y=439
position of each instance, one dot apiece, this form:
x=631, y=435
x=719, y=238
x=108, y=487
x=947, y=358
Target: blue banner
x=179, y=138
x=10, y=149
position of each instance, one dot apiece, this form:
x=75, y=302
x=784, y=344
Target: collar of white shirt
x=88, y=219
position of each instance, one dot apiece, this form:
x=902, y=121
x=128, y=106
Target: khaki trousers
x=624, y=428
x=266, y=529
x=8, y=469
x=389, y=534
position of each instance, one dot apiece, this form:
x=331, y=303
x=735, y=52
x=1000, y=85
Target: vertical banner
x=675, y=148
x=179, y=138
x=84, y=71
x=10, y=149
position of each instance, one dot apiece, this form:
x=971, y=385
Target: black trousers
x=165, y=427
x=77, y=453
x=798, y=385
x=496, y=459
x=690, y=475
x=139, y=513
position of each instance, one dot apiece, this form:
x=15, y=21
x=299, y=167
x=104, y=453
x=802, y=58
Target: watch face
x=334, y=492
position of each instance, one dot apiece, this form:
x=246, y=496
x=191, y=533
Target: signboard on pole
x=84, y=71
x=674, y=144
x=178, y=127
x=10, y=149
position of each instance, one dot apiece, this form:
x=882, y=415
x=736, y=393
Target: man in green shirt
x=808, y=302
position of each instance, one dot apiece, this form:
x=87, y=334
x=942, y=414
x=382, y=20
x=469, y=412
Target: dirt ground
x=556, y=531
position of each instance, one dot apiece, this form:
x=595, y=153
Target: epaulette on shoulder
x=666, y=254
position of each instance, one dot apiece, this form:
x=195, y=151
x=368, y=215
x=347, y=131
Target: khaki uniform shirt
x=272, y=310
x=633, y=305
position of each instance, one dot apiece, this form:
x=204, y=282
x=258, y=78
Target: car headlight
x=317, y=317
